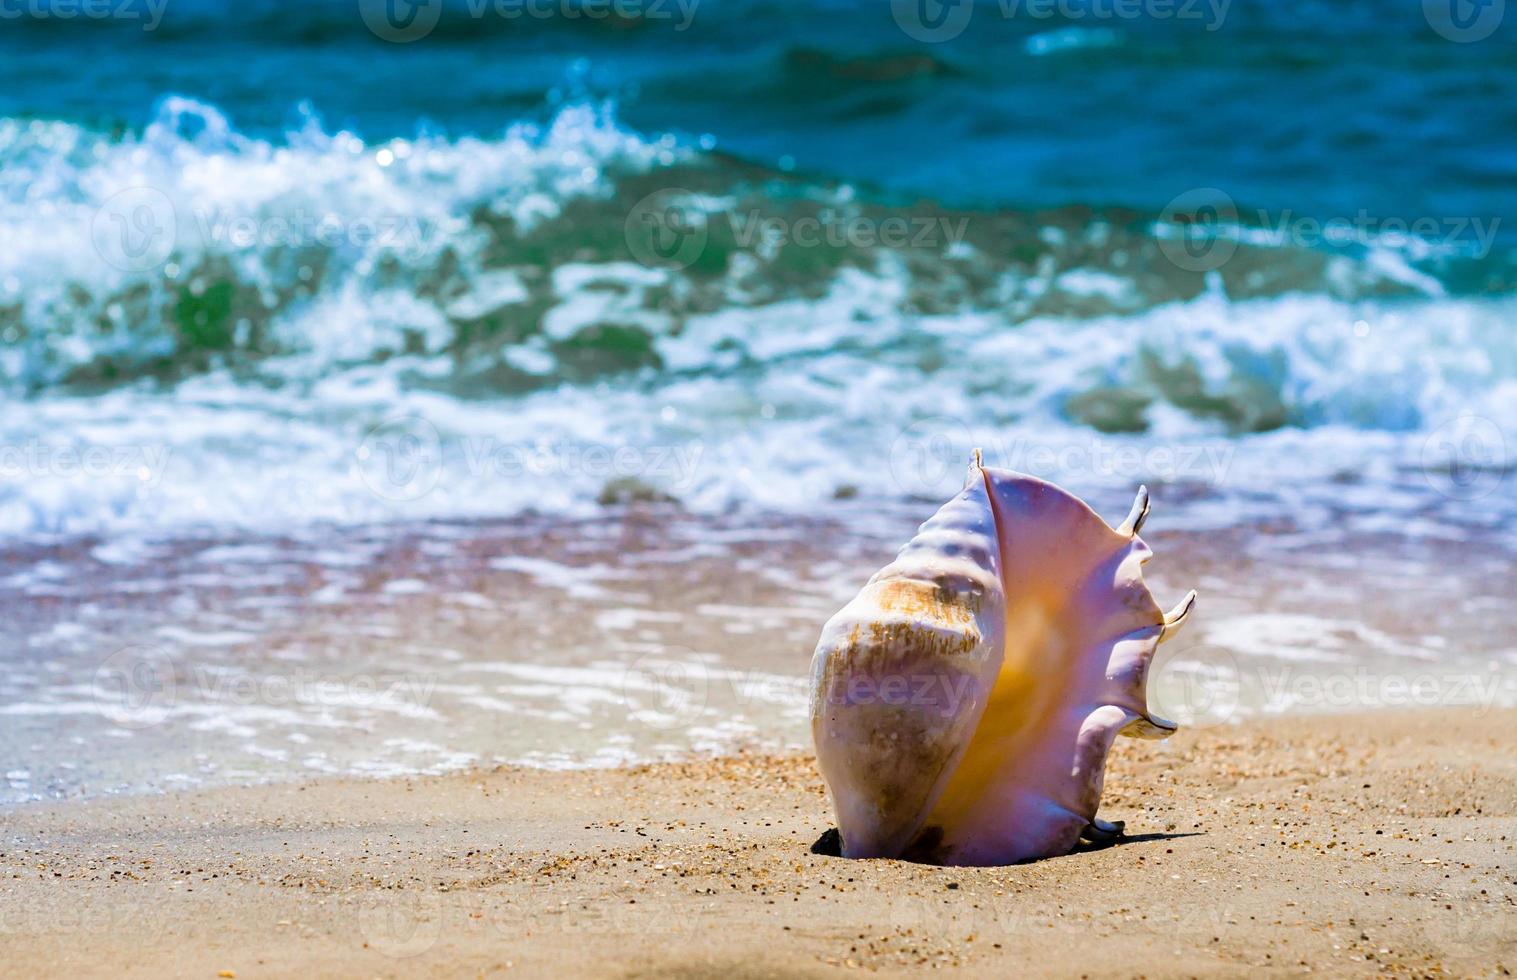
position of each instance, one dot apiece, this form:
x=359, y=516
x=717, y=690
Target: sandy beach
x=1368, y=845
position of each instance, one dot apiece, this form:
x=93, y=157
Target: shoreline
x=642, y=635
x=1378, y=844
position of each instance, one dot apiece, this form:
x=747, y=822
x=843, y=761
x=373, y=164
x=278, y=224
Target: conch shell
x=963, y=704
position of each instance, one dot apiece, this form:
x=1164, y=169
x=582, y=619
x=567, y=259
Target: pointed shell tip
x=1177, y=616
x=1138, y=514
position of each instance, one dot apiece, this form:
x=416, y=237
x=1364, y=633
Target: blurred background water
x=274, y=271
x=241, y=239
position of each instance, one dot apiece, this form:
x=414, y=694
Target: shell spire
x=963, y=704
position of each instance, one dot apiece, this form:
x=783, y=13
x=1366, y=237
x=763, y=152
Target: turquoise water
x=267, y=265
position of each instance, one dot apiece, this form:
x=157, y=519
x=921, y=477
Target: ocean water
x=263, y=266
x=277, y=273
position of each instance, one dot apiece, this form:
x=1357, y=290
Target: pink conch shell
x=964, y=702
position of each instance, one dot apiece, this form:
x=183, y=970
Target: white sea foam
x=778, y=404
x=1420, y=403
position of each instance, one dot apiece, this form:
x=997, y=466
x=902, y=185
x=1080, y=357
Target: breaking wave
x=570, y=314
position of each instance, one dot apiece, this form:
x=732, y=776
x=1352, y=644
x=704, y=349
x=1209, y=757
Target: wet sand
x=1381, y=844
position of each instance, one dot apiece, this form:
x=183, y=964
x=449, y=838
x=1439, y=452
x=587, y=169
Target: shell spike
x=976, y=472
x=1137, y=515
x=1176, y=617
